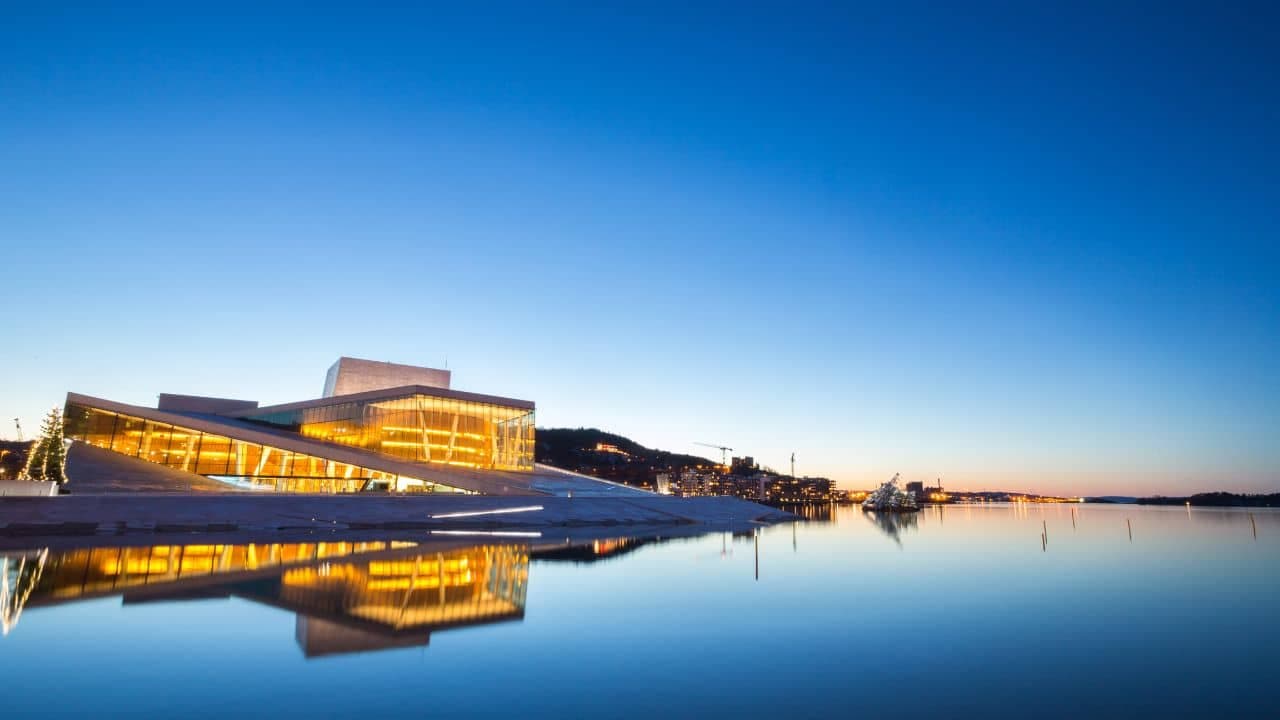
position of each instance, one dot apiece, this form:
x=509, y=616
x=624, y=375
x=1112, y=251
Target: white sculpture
x=890, y=498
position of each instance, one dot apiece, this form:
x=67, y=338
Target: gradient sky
x=1016, y=246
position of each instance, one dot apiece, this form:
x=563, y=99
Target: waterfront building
x=923, y=492
x=400, y=428
x=785, y=489
x=760, y=487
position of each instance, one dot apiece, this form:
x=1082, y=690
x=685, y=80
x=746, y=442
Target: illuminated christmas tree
x=48, y=459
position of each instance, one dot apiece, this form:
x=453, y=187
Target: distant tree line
x=1216, y=499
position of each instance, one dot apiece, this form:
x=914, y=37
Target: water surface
x=1006, y=611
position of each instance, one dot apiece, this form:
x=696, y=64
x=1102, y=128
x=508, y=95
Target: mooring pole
x=756, y=533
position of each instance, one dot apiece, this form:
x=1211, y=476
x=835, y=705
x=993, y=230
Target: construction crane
x=723, y=451
x=19, y=426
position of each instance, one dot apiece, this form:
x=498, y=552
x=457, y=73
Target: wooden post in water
x=1254, y=523
x=1044, y=528
x=1073, y=518
x=756, y=533
x=1129, y=522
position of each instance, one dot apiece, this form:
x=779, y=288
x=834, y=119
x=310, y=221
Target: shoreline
x=25, y=522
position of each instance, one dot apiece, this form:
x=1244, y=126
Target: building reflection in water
x=19, y=573
x=594, y=550
x=348, y=597
x=814, y=512
x=892, y=524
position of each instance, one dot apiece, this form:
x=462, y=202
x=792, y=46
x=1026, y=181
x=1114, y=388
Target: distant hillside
x=1216, y=499
x=605, y=455
x=13, y=457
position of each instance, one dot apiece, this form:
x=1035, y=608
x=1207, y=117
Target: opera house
x=378, y=427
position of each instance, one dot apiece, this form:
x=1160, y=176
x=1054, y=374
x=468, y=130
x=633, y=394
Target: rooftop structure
x=353, y=375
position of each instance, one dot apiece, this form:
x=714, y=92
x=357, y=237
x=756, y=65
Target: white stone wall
x=24, y=488
x=352, y=375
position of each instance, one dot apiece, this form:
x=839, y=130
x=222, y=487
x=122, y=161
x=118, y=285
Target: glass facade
x=421, y=428
x=254, y=465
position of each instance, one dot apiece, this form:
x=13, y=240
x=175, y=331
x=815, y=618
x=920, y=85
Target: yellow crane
x=724, y=451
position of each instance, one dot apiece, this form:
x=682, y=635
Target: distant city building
x=611, y=449
x=785, y=489
x=925, y=493
x=743, y=465
x=758, y=486
x=936, y=493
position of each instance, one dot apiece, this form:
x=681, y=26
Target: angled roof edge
x=386, y=394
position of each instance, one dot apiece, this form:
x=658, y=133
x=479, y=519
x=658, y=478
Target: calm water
x=960, y=611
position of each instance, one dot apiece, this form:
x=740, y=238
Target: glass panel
x=155, y=441
x=270, y=464
x=75, y=421
x=245, y=461
x=215, y=454
x=99, y=427
x=128, y=435
x=182, y=448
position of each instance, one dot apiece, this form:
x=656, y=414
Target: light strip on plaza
x=474, y=513
x=495, y=533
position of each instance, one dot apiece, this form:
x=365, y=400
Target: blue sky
x=1008, y=246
